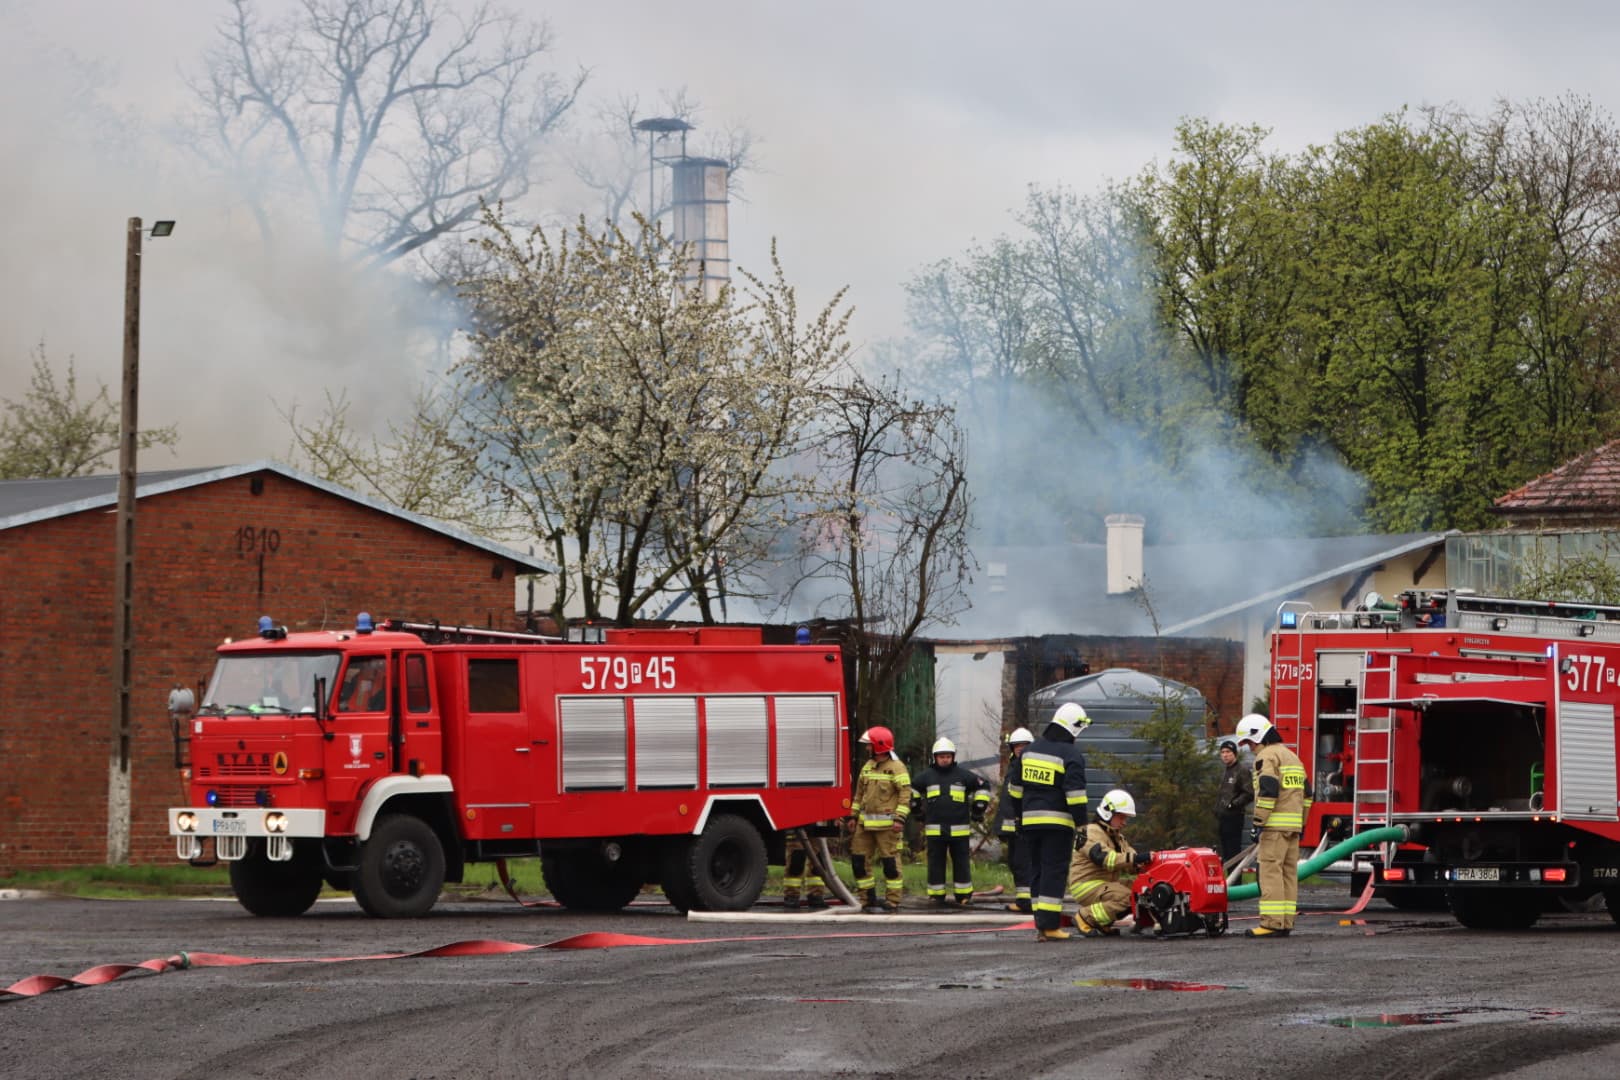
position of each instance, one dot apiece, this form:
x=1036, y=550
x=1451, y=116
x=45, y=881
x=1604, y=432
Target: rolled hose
x=1328, y=857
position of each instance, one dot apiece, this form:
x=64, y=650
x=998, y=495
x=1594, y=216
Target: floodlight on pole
x=161, y=228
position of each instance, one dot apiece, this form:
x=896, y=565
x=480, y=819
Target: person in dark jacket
x=1053, y=782
x=952, y=799
x=1006, y=825
x=1233, y=801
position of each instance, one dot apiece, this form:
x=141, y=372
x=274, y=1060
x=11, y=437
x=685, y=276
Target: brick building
x=214, y=550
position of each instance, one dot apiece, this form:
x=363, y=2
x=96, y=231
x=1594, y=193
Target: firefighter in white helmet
x=1052, y=795
x=1006, y=824
x=1102, y=857
x=952, y=798
x=1280, y=806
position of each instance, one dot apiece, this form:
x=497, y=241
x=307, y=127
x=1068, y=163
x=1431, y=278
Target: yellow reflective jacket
x=882, y=794
x=1280, y=801
x=1102, y=855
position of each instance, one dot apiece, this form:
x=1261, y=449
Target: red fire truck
x=1484, y=725
x=384, y=759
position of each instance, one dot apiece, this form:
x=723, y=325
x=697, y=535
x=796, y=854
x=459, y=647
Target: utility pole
x=118, y=772
x=118, y=764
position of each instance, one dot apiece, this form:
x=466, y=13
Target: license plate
x=1477, y=873
x=230, y=825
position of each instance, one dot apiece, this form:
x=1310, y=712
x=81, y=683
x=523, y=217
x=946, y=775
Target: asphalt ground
x=1391, y=994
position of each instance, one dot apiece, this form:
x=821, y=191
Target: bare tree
x=385, y=121
x=426, y=463
x=49, y=432
x=889, y=530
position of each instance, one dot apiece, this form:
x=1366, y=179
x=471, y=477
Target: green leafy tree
x=51, y=432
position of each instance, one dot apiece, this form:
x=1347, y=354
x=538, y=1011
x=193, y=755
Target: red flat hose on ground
x=35, y=985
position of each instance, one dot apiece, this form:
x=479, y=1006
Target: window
x=492, y=686
x=417, y=698
x=365, y=685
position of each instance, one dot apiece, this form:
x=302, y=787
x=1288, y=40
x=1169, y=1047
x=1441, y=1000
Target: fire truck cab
x=386, y=758
x=1484, y=725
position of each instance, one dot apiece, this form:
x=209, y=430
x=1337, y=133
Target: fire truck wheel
x=401, y=868
x=675, y=874
x=582, y=881
x=726, y=865
x=1494, y=909
x=277, y=889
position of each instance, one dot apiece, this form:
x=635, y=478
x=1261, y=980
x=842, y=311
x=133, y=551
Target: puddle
x=1476, y=1015
x=1152, y=984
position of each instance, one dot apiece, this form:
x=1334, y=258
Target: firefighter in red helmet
x=882, y=801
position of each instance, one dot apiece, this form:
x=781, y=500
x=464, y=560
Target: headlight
x=275, y=823
x=185, y=821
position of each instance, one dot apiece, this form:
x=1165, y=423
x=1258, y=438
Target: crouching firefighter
x=1280, y=806
x=1103, y=856
x=882, y=801
x=952, y=798
x=1052, y=775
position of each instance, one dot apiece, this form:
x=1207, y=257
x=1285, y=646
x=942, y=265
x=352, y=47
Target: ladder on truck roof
x=1542, y=618
x=434, y=634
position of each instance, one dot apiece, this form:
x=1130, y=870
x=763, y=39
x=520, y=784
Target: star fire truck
x=1483, y=725
x=385, y=759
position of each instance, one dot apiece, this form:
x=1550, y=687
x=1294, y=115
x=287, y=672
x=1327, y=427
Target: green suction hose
x=1326, y=858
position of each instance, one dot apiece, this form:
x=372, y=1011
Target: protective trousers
x=1099, y=903
x=1022, y=872
x=800, y=872
x=1050, y=847
x=958, y=848
x=1279, y=878
x=865, y=843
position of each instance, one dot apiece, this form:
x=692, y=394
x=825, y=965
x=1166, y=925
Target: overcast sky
x=892, y=134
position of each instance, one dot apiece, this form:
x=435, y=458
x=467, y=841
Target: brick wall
x=209, y=560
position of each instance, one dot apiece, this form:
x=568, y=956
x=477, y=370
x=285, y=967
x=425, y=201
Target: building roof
x=1585, y=483
x=23, y=502
x=1035, y=591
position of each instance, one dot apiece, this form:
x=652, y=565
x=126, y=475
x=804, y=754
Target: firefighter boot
x=1264, y=932
x=816, y=902
x=1085, y=929
x=870, y=903
x=1059, y=934
x=790, y=899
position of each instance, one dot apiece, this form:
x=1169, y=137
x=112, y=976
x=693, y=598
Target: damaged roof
x=1033, y=591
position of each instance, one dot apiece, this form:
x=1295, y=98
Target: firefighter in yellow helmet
x=952, y=799
x=882, y=801
x=1102, y=858
x=1280, y=806
x=1052, y=795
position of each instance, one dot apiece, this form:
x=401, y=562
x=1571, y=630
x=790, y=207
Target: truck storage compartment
x=1480, y=755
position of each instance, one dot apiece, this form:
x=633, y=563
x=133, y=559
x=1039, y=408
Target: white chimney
x=1124, y=552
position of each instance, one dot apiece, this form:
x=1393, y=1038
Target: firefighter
x=882, y=801
x=799, y=872
x=1053, y=776
x=952, y=798
x=1233, y=801
x=1007, y=822
x=1280, y=806
x=1102, y=856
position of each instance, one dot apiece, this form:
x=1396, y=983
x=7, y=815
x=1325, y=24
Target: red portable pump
x=1182, y=891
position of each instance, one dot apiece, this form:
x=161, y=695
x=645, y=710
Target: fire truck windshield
x=279, y=682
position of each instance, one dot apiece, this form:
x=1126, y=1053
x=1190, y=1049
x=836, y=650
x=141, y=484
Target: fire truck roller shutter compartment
x=593, y=743
x=666, y=742
x=1586, y=766
x=806, y=739
x=737, y=741
x=1476, y=754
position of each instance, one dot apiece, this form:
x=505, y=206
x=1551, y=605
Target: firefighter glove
x=1142, y=858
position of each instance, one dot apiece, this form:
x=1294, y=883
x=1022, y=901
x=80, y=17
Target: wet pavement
x=1382, y=994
